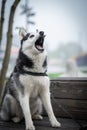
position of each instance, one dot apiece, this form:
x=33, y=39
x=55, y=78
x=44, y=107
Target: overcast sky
x=62, y=20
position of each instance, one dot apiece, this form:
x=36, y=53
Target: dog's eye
x=31, y=36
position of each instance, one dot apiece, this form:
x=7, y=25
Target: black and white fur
x=25, y=93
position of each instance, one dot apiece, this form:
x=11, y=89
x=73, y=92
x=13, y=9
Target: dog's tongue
x=39, y=47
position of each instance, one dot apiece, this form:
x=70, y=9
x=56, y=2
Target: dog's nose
x=41, y=33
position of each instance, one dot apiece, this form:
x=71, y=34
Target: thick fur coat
x=28, y=86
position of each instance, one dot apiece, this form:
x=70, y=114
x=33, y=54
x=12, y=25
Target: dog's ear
x=22, y=33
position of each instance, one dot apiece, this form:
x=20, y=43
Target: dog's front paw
x=55, y=124
x=37, y=117
x=16, y=119
x=31, y=127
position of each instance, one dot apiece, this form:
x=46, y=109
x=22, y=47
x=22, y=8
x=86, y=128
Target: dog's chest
x=34, y=85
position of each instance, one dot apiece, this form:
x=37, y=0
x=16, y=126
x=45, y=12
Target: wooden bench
x=69, y=100
x=71, y=94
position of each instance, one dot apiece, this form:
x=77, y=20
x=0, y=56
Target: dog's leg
x=6, y=108
x=45, y=96
x=24, y=102
x=36, y=109
x=10, y=109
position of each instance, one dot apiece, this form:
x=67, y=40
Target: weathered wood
x=71, y=93
x=72, y=89
x=67, y=124
x=77, y=108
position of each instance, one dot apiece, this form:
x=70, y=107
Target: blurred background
x=65, y=25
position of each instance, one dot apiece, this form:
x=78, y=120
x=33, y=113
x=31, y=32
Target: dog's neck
x=32, y=63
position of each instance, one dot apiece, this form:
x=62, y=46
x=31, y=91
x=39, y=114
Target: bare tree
x=8, y=45
x=2, y=19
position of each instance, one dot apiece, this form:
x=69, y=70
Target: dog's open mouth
x=39, y=43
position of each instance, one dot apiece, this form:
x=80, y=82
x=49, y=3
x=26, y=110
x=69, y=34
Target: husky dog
x=28, y=86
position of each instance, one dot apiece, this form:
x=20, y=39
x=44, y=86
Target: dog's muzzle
x=39, y=42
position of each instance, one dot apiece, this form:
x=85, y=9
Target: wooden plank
x=82, y=79
x=77, y=108
x=69, y=103
x=66, y=124
x=72, y=94
x=71, y=89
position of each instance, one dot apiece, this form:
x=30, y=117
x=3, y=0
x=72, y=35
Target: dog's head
x=32, y=42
